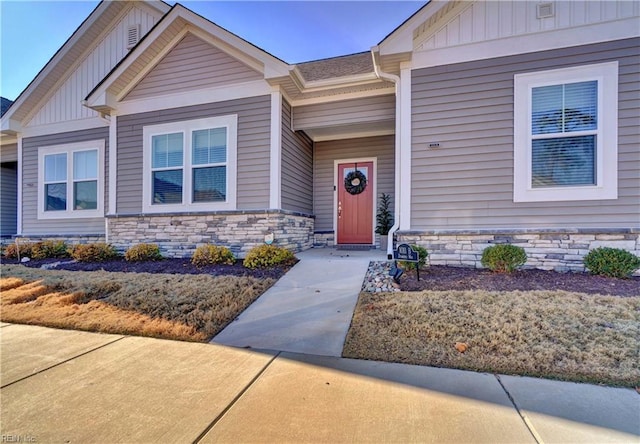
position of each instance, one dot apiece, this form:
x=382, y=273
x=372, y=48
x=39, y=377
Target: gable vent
x=133, y=35
x=545, y=10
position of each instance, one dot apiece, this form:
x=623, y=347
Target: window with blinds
x=564, y=124
x=566, y=134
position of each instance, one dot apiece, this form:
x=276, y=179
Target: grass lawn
x=170, y=306
x=550, y=334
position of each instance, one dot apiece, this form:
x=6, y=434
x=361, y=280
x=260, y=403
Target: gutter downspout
x=396, y=201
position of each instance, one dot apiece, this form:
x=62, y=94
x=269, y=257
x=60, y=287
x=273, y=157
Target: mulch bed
x=166, y=266
x=444, y=278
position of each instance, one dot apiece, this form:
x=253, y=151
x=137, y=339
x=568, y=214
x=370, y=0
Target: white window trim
x=187, y=127
x=607, y=139
x=69, y=149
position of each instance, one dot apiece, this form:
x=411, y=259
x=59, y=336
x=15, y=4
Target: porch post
x=19, y=184
x=275, y=183
x=113, y=164
x=405, y=146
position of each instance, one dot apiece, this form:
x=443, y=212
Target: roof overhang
x=163, y=38
x=65, y=60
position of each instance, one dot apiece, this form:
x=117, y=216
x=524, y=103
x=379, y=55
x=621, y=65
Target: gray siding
x=8, y=198
x=191, y=65
x=325, y=153
x=468, y=108
x=30, y=223
x=254, y=116
x=366, y=109
x=297, y=164
x=9, y=152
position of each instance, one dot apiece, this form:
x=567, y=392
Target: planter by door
x=355, y=203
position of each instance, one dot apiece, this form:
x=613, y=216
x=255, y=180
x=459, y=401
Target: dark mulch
x=444, y=278
x=167, y=266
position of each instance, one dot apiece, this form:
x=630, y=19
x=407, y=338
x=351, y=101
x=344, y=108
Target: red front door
x=355, y=203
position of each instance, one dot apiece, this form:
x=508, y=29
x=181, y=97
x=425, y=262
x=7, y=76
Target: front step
x=355, y=247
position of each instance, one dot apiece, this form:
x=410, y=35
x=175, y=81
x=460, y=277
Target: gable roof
x=348, y=65
x=4, y=105
x=83, y=38
x=161, y=39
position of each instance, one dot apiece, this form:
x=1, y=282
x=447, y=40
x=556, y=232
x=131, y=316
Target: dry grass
x=185, y=307
x=551, y=334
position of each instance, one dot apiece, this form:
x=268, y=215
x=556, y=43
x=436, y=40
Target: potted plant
x=384, y=219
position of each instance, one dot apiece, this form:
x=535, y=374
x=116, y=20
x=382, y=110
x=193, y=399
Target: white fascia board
x=401, y=40
x=63, y=127
x=342, y=82
x=10, y=126
x=541, y=41
x=197, y=97
x=276, y=66
x=102, y=100
x=340, y=97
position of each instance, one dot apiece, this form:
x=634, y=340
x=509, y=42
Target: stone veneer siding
x=68, y=239
x=549, y=249
x=178, y=235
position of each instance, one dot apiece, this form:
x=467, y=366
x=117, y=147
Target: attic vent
x=133, y=35
x=545, y=10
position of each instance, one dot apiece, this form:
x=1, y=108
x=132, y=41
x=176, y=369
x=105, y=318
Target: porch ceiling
x=351, y=131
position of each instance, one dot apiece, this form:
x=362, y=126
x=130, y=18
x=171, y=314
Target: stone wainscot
x=178, y=235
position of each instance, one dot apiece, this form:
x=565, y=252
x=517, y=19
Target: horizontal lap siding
x=8, y=198
x=191, y=65
x=30, y=223
x=253, y=149
x=468, y=109
x=323, y=171
x=366, y=109
x=297, y=167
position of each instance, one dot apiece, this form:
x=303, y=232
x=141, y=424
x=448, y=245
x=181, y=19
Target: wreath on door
x=355, y=182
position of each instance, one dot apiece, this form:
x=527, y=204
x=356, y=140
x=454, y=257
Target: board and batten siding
x=324, y=155
x=297, y=167
x=467, y=182
x=30, y=223
x=66, y=102
x=254, y=116
x=192, y=64
x=345, y=112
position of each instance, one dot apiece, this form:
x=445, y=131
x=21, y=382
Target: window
x=70, y=180
x=565, y=134
x=190, y=166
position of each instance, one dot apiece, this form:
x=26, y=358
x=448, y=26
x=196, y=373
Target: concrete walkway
x=309, y=309
x=78, y=387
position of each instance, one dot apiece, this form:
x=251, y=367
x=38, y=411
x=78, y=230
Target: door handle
x=339, y=209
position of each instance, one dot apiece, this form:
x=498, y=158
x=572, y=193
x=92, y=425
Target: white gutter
x=396, y=201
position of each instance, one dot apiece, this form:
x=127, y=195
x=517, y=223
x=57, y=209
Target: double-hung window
x=71, y=180
x=190, y=165
x=565, y=140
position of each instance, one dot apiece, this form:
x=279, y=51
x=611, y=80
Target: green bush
x=212, y=254
x=264, y=256
x=612, y=262
x=49, y=249
x=423, y=254
x=503, y=258
x=97, y=252
x=11, y=251
x=143, y=253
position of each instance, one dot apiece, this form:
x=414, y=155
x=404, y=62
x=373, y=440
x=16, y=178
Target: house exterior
x=486, y=122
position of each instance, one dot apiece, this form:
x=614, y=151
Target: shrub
x=612, y=262
x=97, y=252
x=49, y=249
x=11, y=251
x=212, y=254
x=423, y=254
x=143, y=252
x=264, y=256
x=503, y=258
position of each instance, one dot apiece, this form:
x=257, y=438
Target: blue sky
x=295, y=31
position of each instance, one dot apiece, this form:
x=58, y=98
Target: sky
x=294, y=31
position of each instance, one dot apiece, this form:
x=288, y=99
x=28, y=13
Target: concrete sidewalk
x=309, y=309
x=70, y=386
